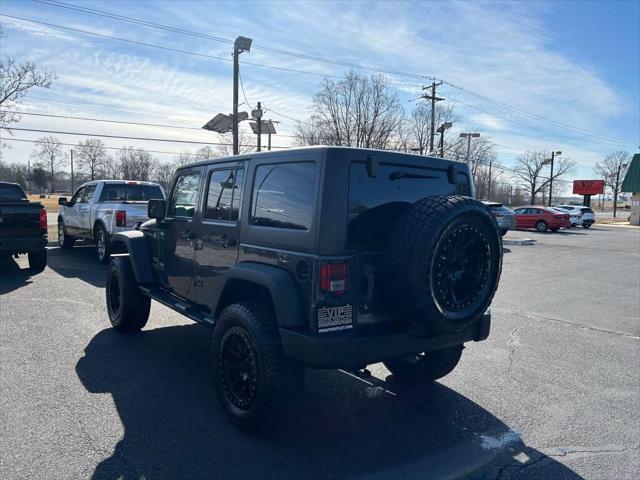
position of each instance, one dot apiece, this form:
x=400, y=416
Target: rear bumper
x=22, y=244
x=353, y=349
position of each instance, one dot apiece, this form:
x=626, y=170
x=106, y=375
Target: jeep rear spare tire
x=443, y=262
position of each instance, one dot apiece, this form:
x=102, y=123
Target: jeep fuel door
x=180, y=237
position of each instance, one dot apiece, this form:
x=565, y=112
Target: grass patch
x=50, y=202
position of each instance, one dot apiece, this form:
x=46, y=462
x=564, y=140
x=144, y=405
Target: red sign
x=588, y=187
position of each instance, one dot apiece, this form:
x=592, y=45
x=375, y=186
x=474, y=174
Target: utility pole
x=553, y=156
x=241, y=44
x=433, y=99
x=72, y=171
x=468, y=136
x=489, y=187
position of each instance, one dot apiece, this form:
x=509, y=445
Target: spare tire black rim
x=239, y=368
x=462, y=263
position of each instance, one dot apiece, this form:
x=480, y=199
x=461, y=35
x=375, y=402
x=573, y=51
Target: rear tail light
x=333, y=278
x=121, y=218
x=43, y=219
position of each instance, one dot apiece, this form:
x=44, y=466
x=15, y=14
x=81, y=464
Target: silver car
x=504, y=216
x=101, y=208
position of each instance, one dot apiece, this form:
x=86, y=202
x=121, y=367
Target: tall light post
x=468, y=136
x=553, y=156
x=241, y=44
x=441, y=130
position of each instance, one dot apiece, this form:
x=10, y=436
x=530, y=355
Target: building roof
x=631, y=182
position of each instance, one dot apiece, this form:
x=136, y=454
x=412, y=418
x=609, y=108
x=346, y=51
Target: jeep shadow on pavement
x=322, y=257
x=345, y=428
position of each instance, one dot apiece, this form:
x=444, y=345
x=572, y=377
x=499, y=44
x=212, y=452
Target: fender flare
x=280, y=284
x=139, y=254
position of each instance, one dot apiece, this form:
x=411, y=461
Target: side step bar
x=184, y=307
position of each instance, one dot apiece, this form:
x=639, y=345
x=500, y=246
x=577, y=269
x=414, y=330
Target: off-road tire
x=273, y=381
x=64, y=240
x=423, y=270
x=127, y=306
x=542, y=226
x=37, y=260
x=425, y=368
x=103, y=247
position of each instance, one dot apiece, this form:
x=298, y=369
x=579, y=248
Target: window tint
x=283, y=195
x=185, y=195
x=223, y=194
x=120, y=192
x=11, y=192
x=88, y=194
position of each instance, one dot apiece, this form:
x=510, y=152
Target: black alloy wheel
x=239, y=367
x=461, y=270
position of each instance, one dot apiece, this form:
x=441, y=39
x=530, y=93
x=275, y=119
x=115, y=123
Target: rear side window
x=283, y=195
x=224, y=194
x=185, y=195
x=12, y=192
x=586, y=210
x=120, y=192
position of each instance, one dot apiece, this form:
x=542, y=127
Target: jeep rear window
x=376, y=202
x=283, y=195
x=120, y=192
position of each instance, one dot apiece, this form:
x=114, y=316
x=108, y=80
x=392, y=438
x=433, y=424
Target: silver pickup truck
x=101, y=208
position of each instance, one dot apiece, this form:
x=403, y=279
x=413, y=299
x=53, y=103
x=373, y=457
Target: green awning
x=631, y=182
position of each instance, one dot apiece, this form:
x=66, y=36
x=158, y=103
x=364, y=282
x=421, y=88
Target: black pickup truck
x=23, y=226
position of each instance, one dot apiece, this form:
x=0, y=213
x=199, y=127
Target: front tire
x=103, y=248
x=542, y=226
x=426, y=367
x=37, y=260
x=127, y=306
x=254, y=381
x=64, y=240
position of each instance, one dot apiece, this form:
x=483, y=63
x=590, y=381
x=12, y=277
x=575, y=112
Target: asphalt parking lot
x=553, y=393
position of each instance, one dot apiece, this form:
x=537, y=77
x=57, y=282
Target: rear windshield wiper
x=398, y=175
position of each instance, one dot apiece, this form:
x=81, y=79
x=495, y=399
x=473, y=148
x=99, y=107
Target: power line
x=123, y=122
x=103, y=135
x=323, y=60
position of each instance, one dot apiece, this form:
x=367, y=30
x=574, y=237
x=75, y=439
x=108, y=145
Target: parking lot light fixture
x=553, y=155
x=468, y=136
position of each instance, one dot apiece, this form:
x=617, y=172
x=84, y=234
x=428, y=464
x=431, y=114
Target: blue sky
x=577, y=63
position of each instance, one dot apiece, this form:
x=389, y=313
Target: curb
x=517, y=241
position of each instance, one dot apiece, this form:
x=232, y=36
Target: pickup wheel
x=425, y=367
x=37, y=260
x=103, y=249
x=64, y=240
x=127, y=306
x=253, y=379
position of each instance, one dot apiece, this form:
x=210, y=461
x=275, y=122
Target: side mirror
x=156, y=208
x=62, y=201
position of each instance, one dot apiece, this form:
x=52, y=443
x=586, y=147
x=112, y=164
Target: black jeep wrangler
x=323, y=257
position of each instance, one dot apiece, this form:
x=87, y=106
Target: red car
x=541, y=218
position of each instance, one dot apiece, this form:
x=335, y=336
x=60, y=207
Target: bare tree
x=356, y=111
x=111, y=168
x=163, y=174
x=48, y=151
x=420, y=125
x=15, y=79
x=136, y=164
x=91, y=156
x=530, y=167
x=612, y=170
x=184, y=158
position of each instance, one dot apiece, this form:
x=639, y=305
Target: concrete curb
x=517, y=241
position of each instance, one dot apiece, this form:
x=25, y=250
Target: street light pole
x=241, y=44
x=441, y=129
x=553, y=155
x=468, y=136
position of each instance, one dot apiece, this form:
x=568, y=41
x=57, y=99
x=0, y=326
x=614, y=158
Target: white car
x=588, y=216
x=574, y=214
x=101, y=208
